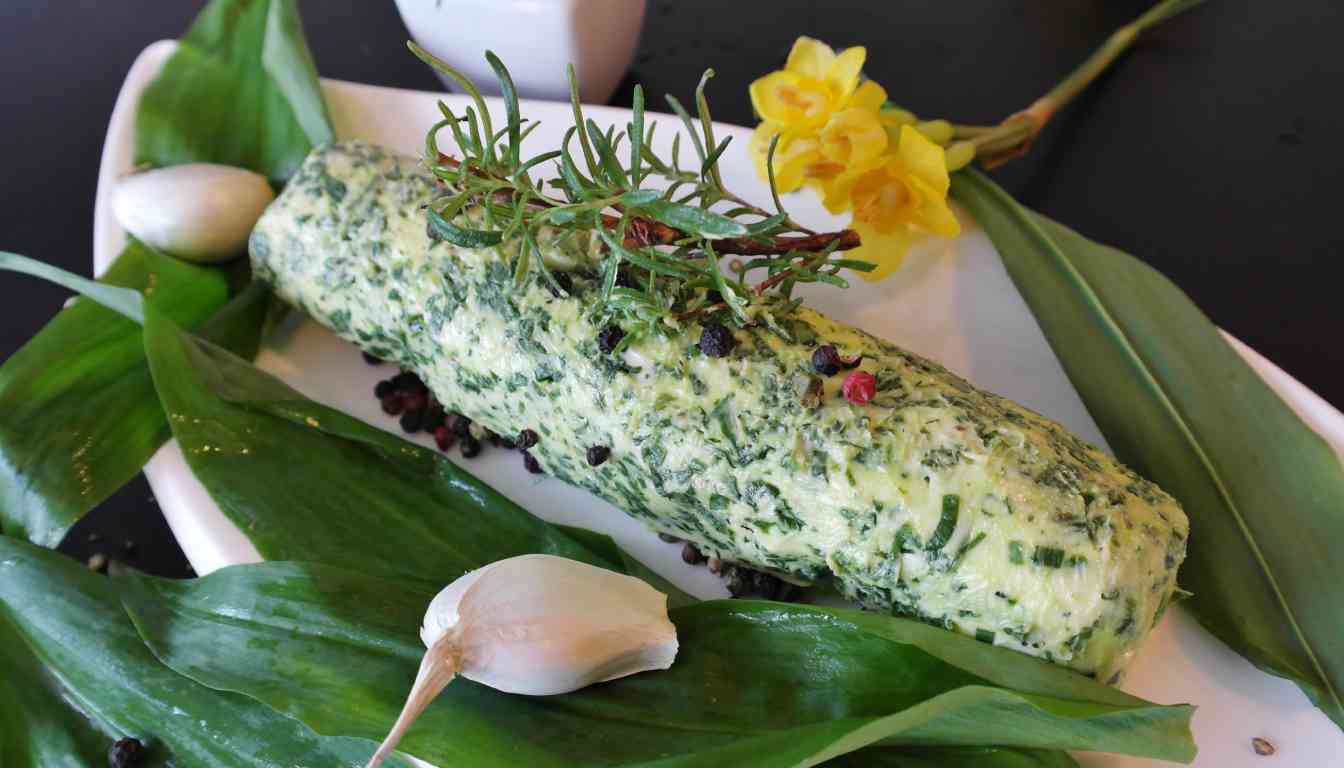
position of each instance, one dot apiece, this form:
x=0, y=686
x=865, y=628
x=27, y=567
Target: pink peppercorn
x=443, y=438
x=859, y=387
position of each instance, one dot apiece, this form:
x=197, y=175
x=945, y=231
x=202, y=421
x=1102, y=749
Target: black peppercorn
x=416, y=401
x=563, y=280
x=738, y=581
x=527, y=438
x=383, y=389
x=470, y=446
x=609, y=337
x=392, y=404
x=690, y=554
x=502, y=441
x=408, y=382
x=412, y=420
x=716, y=340
x=458, y=424
x=851, y=362
x=125, y=753
x=530, y=462
x=826, y=360
x=598, y=454
x=370, y=359
x=434, y=418
x=746, y=582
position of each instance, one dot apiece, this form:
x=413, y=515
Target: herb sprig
x=659, y=250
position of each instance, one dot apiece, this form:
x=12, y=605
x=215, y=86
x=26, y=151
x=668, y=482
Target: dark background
x=1211, y=151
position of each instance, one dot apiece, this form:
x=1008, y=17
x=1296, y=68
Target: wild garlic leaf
x=112, y=677
x=1177, y=403
x=243, y=70
x=78, y=414
x=754, y=684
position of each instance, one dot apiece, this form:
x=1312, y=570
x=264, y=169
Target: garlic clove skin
x=537, y=625
x=541, y=625
x=199, y=212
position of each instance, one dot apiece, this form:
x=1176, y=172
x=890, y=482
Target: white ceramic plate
x=952, y=301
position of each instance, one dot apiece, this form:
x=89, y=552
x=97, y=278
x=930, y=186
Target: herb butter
x=934, y=500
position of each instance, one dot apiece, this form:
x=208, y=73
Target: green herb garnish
x=668, y=242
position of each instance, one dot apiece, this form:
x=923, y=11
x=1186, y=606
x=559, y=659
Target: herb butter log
x=934, y=500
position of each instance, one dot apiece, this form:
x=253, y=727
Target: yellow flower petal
x=853, y=137
x=838, y=190
x=923, y=159
x=791, y=99
x=895, y=117
x=933, y=215
x=843, y=74
x=886, y=250
x=810, y=57
x=869, y=95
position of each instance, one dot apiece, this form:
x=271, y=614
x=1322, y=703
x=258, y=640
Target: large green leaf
x=78, y=415
x=1265, y=494
x=38, y=729
x=240, y=89
x=755, y=683
x=68, y=638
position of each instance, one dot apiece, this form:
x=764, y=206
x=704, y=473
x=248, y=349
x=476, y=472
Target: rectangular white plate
x=952, y=301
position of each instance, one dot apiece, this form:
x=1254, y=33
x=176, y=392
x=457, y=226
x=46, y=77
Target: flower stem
x=1013, y=137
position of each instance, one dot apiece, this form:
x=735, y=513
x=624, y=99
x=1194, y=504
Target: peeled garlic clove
x=538, y=625
x=198, y=211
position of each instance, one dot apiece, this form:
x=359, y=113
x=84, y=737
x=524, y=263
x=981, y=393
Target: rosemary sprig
x=657, y=249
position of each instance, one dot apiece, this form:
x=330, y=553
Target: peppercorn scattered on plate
x=951, y=302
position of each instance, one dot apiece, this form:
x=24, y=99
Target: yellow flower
x=815, y=82
x=896, y=198
x=853, y=135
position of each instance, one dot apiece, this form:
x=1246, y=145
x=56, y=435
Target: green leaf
x=694, y=220
x=648, y=259
x=754, y=684
x=78, y=414
x=38, y=728
x=1262, y=490
x=443, y=229
x=240, y=90
x=65, y=632
x=279, y=464
x=640, y=197
x=510, y=95
x=635, y=131
x=606, y=155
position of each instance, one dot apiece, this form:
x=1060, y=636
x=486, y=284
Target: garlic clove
x=540, y=625
x=198, y=211
x=537, y=625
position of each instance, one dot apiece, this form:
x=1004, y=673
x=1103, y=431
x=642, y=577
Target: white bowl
x=536, y=40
